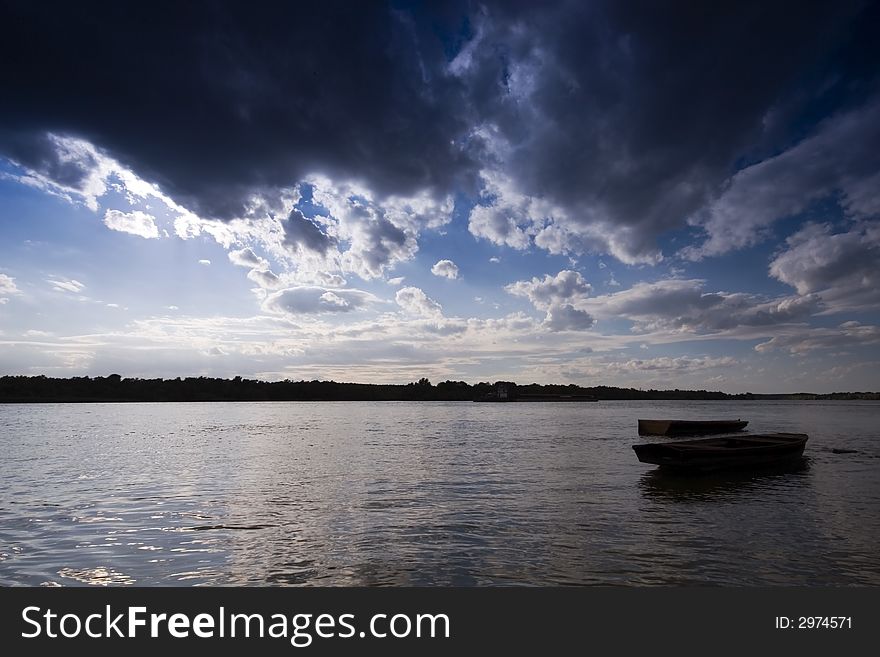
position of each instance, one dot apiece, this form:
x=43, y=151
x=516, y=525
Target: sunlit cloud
x=135, y=223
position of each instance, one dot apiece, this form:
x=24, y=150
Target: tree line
x=115, y=388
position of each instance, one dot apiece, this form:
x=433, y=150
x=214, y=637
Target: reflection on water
x=424, y=494
x=661, y=485
x=101, y=576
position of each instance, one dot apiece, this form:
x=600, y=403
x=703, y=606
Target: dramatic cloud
x=445, y=269
x=415, y=301
x=276, y=96
x=328, y=148
x=310, y=300
x=581, y=127
x=63, y=166
x=615, y=122
x=136, y=223
x=842, y=268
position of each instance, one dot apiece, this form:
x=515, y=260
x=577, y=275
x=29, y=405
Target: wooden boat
x=692, y=427
x=724, y=452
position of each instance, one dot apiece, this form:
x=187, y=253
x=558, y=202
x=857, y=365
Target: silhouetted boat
x=724, y=452
x=692, y=427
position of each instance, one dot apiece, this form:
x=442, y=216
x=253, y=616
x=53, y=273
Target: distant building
x=505, y=391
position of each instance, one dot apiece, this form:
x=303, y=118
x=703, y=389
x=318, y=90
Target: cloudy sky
x=637, y=194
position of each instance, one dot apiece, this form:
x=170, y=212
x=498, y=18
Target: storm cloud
x=579, y=127
x=609, y=124
x=218, y=102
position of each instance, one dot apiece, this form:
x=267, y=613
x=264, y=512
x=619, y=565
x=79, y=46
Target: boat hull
x=689, y=427
x=723, y=453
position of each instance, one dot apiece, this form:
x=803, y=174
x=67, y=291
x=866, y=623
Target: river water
x=429, y=493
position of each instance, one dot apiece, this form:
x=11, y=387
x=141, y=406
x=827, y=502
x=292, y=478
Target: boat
x=722, y=452
x=692, y=427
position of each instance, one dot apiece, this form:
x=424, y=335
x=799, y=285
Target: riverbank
x=114, y=388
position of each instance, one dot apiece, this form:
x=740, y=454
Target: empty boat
x=723, y=452
x=689, y=427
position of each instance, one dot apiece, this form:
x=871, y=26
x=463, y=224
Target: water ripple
x=424, y=494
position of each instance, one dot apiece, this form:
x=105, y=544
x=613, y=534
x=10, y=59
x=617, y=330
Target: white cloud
x=378, y=233
x=63, y=285
x=565, y=287
x=508, y=217
x=559, y=296
x=376, y=245
x=135, y=223
x=565, y=317
x=247, y=258
x=672, y=365
x=848, y=334
x=494, y=260
x=265, y=278
x=500, y=225
x=683, y=305
x=265, y=233
x=309, y=300
x=395, y=281
x=445, y=269
x=204, y=262
x=842, y=268
x=7, y=287
x=415, y=301
x=328, y=279
x=841, y=157
x=72, y=169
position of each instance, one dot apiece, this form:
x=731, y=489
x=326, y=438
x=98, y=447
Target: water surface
x=430, y=493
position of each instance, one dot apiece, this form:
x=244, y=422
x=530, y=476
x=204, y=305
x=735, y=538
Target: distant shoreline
x=116, y=389
x=37, y=402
